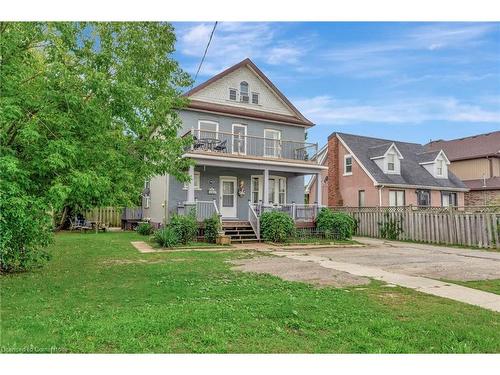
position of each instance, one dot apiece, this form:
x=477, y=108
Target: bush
x=212, y=228
x=185, y=227
x=340, y=224
x=391, y=227
x=166, y=237
x=276, y=226
x=145, y=229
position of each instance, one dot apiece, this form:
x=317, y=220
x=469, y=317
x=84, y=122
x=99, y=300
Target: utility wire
x=205, y=53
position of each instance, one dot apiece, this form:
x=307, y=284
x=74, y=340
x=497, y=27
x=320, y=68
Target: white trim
x=209, y=122
x=253, y=161
x=232, y=138
x=347, y=156
x=235, y=95
x=356, y=158
x=235, y=195
x=247, y=117
x=277, y=150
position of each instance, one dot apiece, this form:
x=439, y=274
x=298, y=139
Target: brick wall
x=334, y=196
x=482, y=198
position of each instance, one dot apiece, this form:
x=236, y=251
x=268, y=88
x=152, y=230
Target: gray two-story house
x=249, y=150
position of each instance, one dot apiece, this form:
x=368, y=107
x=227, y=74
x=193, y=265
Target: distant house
x=476, y=160
x=364, y=171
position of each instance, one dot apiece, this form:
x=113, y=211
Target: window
x=232, y=94
x=361, y=198
x=449, y=199
x=147, y=185
x=147, y=201
x=396, y=198
x=440, y=167
x=347, y=165
x=390, y=162
x=255, y=98
x=244, y=92
x=272, y=143
x=208, y=129
x=196, y=182
x=239, y=139
x=276, y=193
x=423, y=198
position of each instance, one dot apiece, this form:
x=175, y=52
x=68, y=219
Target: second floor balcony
x=249, y=146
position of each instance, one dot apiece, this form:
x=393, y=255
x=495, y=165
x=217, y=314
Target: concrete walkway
x=459, y=293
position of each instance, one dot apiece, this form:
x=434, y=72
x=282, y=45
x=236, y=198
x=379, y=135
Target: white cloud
x=234, y=42
x=328, y=110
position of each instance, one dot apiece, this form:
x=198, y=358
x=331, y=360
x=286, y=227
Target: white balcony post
x=190, y=189
x=319, y=189
x=265, y=193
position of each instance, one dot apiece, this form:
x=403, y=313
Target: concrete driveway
x=435, y=262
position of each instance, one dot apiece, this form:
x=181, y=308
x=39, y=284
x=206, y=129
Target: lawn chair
x=197, y=143
x=221, y=147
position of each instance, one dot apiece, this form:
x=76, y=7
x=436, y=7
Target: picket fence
x=478, y=227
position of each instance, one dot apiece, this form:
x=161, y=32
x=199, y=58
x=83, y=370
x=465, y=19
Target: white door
x=227, y=196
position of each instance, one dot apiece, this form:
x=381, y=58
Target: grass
x=492, y=286
x=98, y=294
x=191, y=244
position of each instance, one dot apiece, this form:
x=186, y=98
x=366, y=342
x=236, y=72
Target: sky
x=404, y=81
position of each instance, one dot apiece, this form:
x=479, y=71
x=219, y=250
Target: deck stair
x=239, y=231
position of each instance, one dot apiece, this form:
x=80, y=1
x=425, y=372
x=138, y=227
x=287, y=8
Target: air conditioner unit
x=244, y=98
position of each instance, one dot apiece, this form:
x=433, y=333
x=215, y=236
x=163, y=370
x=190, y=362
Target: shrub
x=212, y=228
x=145, y=229
x=391, y=227
x=166, y=237
x=276, y=226
x=340, y=224
x=185, y=226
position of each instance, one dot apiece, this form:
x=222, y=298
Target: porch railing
x=250, y=145
x=202, y=209
x=298, y=212
x=254, y=220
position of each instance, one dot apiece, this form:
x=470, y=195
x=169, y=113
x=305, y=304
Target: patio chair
x=221, y=147
x=197, y=144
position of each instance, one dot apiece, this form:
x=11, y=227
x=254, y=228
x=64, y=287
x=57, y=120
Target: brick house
x=364, y=171
x=476, y=161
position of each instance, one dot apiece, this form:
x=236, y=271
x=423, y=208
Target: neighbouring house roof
x=321, y=156
x=492, y=183
x=412, y=172
x=477, y=146
x=297, y=119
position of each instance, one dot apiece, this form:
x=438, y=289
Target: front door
x=227, y=196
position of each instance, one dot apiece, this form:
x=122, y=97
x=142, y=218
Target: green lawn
x=98, y=294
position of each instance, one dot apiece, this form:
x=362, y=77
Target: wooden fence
x=109, y=216
x=463, y=226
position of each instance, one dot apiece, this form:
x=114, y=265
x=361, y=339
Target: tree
x=88, y=111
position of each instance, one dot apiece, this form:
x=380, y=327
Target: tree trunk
x=63, y=218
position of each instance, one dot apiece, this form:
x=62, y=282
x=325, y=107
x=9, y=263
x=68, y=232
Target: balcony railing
x=250, y=146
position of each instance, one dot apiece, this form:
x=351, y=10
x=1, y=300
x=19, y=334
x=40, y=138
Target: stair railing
x=254, y=220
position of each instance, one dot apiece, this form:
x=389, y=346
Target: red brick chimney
x=334, y=197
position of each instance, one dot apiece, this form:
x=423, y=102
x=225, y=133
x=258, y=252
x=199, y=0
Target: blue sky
x=406, y=81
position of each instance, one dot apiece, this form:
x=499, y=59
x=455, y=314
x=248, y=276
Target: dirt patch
x=296, y=270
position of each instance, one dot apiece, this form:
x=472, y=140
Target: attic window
x=347, y=165
x=390, y=162
x=232, y=94
x=440, y=167
x=255, y=98
x=244, y=92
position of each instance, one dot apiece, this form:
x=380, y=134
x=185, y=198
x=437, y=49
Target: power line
x=205, y=53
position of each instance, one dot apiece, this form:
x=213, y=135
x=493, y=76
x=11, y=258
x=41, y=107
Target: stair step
x=229, y=232
x=244, y=240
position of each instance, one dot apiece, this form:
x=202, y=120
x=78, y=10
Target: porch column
x=265, y=193
x=190, y=189
x=319, y=189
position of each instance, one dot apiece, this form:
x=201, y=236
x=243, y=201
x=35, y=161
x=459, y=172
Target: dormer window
x=244, y=92
x=440, y=167
x=391, y=162
x=232, y=94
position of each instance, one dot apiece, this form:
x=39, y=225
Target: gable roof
x=297, y=118
x=321, y=156
x=476, y=146
x=377, y=152
x=412, y=173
